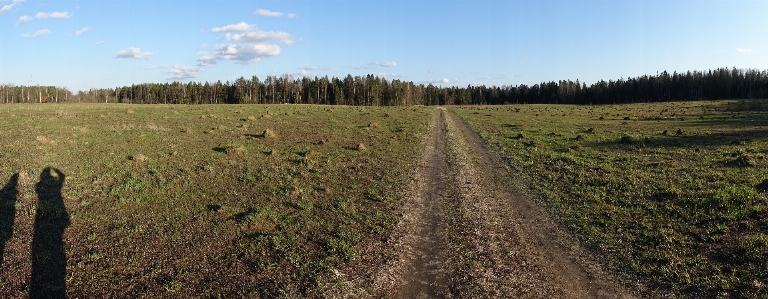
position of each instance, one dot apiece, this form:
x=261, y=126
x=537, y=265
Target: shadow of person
x=49, y=260
x=7, y=212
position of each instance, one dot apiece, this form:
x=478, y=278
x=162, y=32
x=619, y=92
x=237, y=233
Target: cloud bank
x=133, y=52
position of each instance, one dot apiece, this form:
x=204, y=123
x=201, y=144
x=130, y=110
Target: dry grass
x=269, y=134
x=234, y=150
x=138, y=159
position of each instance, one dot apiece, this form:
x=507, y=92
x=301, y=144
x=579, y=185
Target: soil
x=466, y=232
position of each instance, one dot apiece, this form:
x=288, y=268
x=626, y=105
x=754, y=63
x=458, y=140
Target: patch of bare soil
x=463, y=232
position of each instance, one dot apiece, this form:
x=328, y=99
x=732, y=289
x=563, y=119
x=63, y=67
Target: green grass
x=194, y=200
x=665, y=193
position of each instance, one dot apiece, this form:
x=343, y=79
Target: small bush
x=628, y=139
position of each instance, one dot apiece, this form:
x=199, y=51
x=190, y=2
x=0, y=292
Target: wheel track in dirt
x=464, y=233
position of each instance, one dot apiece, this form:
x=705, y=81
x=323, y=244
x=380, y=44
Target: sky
x=110, y=43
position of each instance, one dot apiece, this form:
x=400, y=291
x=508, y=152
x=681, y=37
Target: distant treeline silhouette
x=370, y=90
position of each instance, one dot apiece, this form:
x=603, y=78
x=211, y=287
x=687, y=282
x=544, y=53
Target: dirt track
x=465, y=233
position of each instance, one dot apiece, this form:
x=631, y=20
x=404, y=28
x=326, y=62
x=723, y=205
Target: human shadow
x=8, y=196
x=49, y=259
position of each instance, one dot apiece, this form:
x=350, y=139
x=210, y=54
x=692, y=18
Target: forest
x=370, y=90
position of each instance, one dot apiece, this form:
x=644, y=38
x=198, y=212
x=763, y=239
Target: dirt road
x=465, y=233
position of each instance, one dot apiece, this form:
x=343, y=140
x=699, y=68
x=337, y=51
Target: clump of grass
x=591, y=130
x=361, y=147
x=268, y=133
x=743, y=160
x=139, y=158
x=221, y=128
x=574, y=147
x=187, y=131
x=251, y=118
x=211, y=132
x=679, y=132
x=628, y=139
x=520, y=136
x=266, y=116
x=373, y=125
x=272, y=152
x=233, y=150
x=129, y=111
x=579, y=137
x=321, y=142
x=45, y=141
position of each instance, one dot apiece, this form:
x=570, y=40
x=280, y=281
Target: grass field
x=215, y=200
x=672, y=193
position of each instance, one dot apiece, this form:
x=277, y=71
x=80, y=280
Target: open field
x=197, y=200
x=272, y=201
x=672, y=194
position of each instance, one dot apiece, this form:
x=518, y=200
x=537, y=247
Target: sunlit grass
x=666, y=192
x=215, y=200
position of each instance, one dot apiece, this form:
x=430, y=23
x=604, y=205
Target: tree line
x=370, y=90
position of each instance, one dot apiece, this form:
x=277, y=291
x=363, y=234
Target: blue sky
x=98, y=44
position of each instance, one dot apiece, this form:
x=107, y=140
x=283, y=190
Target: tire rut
x=471, y=237
x=464, y=233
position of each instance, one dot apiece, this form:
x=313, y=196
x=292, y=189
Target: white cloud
x=242, y=54
x=389, y=75
x=205, y=58
x=242, y=26
x=310, y=68
x=291, y=15
x=98, y=43
x=53, y=15
x=743, y=50
x=8, y=7
x=518, y=75
x=484, y=78
x=258, y=36
x=389, y=64
x=267, y=13
x=440, y=81
x=23, y=19
x=303, y=73
x=37, y=33
x=133, y=52
x=431, y=71
x=81, y=31
x=251, y=45
x=181, y=72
